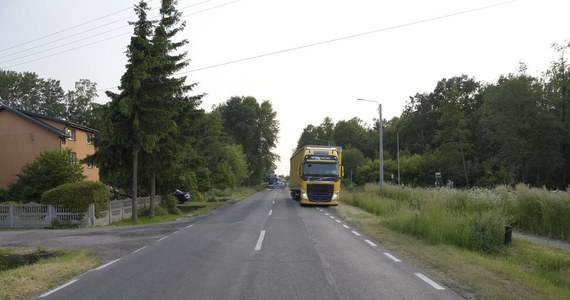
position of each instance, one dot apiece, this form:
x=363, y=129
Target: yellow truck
x=315, y=175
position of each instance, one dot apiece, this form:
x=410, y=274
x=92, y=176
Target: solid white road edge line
x=139, y=249
x=162, y=238
x=189, y=225
x=107, y=264
x=371, y=243
x=59, y=288
x=260, y=241
x=356, y=233
x=429, y=281
x=392, y=257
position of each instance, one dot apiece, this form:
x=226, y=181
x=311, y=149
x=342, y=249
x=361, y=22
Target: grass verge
x=523, y=271
x=30, y=280
x=214, y=200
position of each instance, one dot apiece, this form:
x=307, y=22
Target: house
x=24, y=135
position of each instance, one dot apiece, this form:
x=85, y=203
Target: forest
x=514, y=130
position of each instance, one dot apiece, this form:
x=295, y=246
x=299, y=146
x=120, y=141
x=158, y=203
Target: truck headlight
x=335, y=196
x=304, y=195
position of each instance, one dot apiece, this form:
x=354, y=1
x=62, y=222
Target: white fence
x=33, y=215
x=121, y=210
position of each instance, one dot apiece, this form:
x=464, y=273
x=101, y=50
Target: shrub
x=169, y=203
x=78, y=196
x=49, y=170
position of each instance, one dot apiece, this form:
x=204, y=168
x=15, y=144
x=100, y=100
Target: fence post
x=11, y=214
x=91, y=212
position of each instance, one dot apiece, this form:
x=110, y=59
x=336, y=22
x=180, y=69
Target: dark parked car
x=182, y=196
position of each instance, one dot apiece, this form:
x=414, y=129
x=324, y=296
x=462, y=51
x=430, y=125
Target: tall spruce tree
x=127, y=113
x=168, y=101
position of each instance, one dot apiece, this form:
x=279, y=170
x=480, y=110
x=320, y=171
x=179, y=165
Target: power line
x=82, y=32
x=90, y=44
x=350, y=36
x=66, y=29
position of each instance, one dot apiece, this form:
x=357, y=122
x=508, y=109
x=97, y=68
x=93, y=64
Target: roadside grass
x=30, y=280
x=197, y=207
x=458, y=235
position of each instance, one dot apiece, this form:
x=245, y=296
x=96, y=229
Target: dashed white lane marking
x=345, y=226
x=338, y=221
x=429, y=281
x=107, y=264
x=332, y=217
x=270, y=212
x=356, y=233
x=139, y=249
x=371, y=243
x=327, y=214
x=59, y=288
x=260, y=241
x=392, y=257
x=162, y=238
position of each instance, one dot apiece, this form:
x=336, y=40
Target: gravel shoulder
x=108, y=242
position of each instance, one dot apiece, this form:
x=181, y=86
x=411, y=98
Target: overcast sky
x=411, y=45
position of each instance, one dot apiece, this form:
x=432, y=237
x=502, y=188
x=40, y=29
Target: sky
x=311, y=59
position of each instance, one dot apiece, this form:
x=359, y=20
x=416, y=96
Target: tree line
x=153, y=136
x=515, y=130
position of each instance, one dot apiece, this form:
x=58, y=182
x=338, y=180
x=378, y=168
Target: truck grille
x=320, y=192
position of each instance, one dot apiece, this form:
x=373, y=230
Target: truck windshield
x=320, y=169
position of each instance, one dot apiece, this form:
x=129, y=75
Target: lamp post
x=381, y=146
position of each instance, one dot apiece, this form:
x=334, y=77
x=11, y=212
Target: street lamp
x=381, y=149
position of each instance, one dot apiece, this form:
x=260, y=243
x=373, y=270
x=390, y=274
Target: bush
x=49, y=170
x=78, y=196
x=169, y=203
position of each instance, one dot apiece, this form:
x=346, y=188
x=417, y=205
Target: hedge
x=79, y=195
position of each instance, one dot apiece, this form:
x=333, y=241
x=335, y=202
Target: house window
x=90, y=138
x=71, y=134
x=89, y=166
x=72, y=158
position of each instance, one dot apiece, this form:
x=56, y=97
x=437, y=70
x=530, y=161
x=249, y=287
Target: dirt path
x=543, y=240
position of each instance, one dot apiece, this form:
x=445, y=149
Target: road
x=264, y=247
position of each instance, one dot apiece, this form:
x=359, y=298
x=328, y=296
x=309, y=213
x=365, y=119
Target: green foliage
x=539, y=211
x=169, y=204
x=78, y=196
x=49, y=170
x=254, y=127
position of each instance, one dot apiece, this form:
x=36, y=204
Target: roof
x=33, y=117
x=67, y=123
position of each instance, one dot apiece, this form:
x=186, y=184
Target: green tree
x=80, y=104
x=255, y=128
x=26, y=91
x=321, y=135
x=50, y=169
x=352, y=159
x=557, y=93
x=519, y=126
x=350, y=134
x=126, y=115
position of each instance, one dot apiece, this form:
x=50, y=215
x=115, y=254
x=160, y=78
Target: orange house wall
x=20, y=143
x=79, y=146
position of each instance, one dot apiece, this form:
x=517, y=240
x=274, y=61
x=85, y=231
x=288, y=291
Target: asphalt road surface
x=264, y=247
